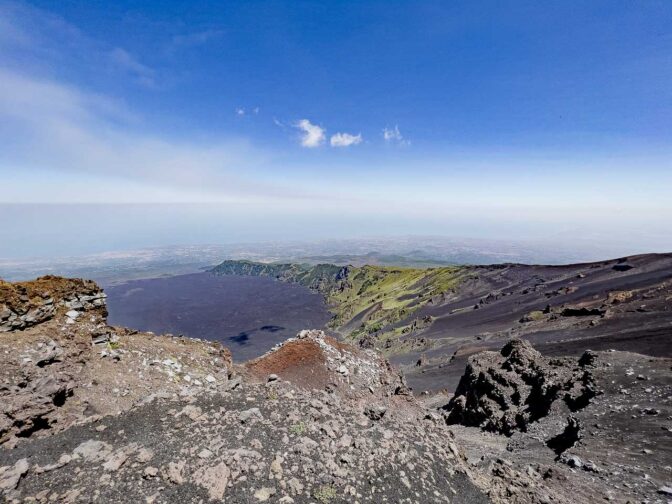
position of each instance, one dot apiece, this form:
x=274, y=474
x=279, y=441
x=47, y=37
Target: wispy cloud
x=313, y=135
x=196, y=38
x=142, y=73
x=345, y=139
x=393, y=135
x=56, y=128
x=32, y=39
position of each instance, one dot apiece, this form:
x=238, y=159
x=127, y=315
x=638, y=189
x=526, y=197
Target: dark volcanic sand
x=249, y=315
x=641, y=323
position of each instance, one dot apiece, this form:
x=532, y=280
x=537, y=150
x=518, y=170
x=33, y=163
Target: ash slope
x=428, y=321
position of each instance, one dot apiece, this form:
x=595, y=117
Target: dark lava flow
x=249, y=315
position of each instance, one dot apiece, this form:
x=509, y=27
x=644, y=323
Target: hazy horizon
x=43, y=231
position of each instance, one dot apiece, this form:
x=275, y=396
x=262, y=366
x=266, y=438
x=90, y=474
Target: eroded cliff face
x=25, y=304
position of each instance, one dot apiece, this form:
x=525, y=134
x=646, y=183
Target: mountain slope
x=366, y=301
x=429, y=320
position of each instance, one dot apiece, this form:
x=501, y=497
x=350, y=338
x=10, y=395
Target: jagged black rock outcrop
x=505, y=391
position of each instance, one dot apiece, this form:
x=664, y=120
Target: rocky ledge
x=25, y=304
x=68, y=366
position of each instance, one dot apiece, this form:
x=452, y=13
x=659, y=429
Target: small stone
x=205, y=454
x=50, y=354
x=295, y=486
x=263, y=494
x=11, y=475
x=572, y=461
x=93, y=451
x=214, y=480
x=150, y=472
x=248, y=415
x=116, y=461
x=173, y=472
x=591, y=467
x=144, y=455
x=276, y=467
x=375, y=412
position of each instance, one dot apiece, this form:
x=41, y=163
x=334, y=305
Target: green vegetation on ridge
x=367, y=301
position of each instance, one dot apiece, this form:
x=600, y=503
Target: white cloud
x=345, y=139
x=313, y=135
x=240, y=111
x=394, y=136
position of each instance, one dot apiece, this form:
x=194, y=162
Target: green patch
x=534, y=316
x=325, y=494
x=298, y=429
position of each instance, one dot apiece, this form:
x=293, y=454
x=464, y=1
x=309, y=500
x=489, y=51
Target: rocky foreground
x=93, y=413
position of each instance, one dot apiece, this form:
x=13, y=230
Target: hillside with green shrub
x=375, y=303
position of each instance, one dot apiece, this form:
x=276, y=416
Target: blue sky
x=522, y=119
